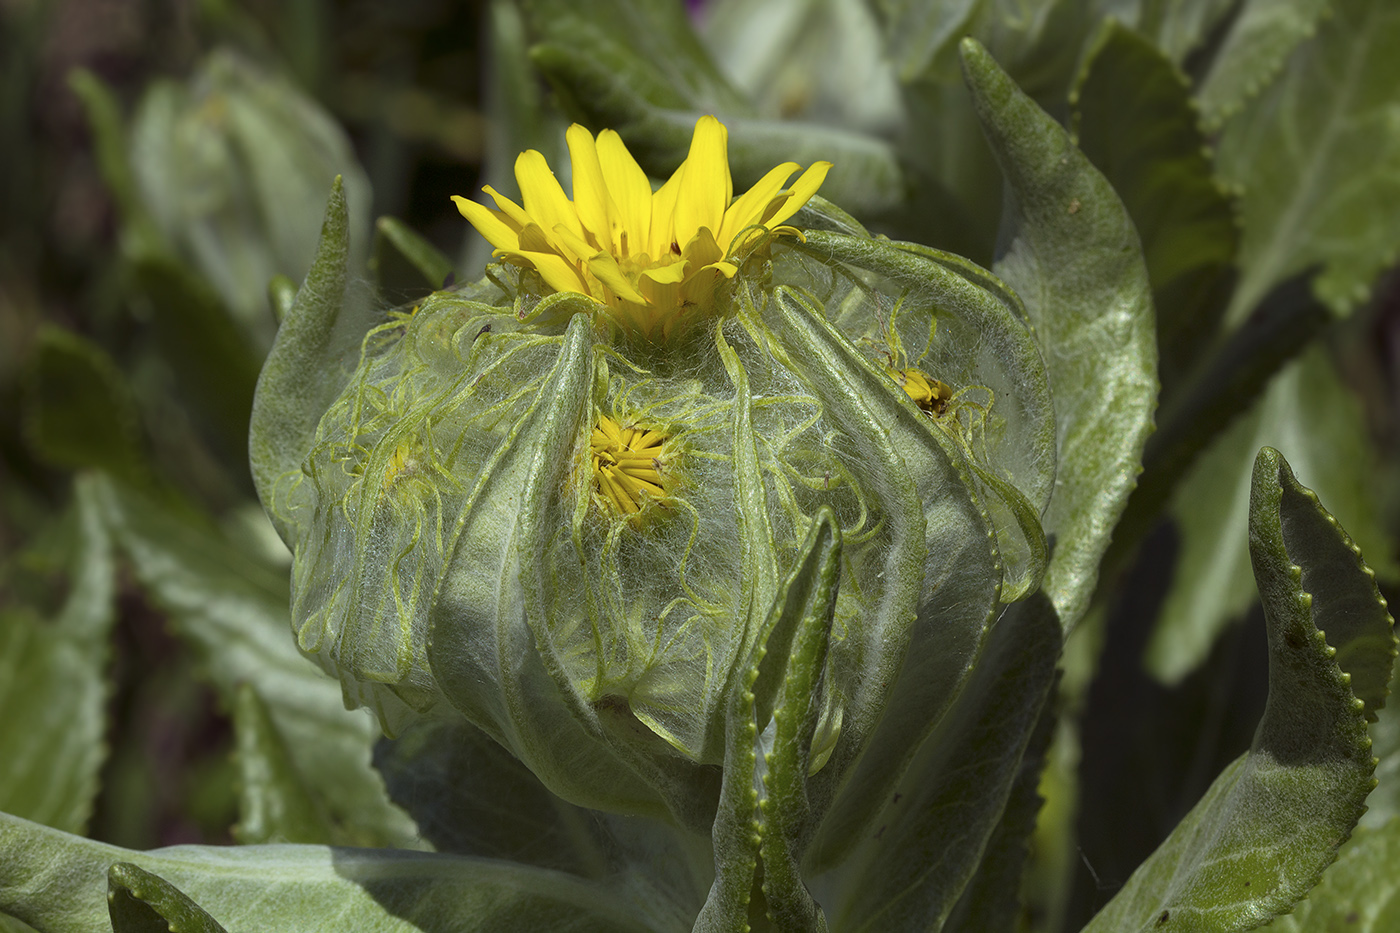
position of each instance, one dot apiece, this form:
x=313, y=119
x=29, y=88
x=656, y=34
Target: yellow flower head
x=652, y=259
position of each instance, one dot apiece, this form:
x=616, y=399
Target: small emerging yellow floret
x=627, y=465
x=652, y=259
x=400, y=462
x=931, y=395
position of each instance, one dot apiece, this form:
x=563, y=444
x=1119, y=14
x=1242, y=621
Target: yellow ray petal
x=490, y=224
x=534, y=240
x=702, y=249
x=663, y=217
x=663, y=293
x=748, y=208
x=544, y=199
x=724, y=268
x=571, y=245
x=800, y=193
x=707, y=186
x=591, y=200
x=606, y=269
x=631, y=193
x=556, y=272
x=673, y=274
x=506, y=206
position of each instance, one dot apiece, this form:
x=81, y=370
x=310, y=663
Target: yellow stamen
x=652, y=260
x=628, y=465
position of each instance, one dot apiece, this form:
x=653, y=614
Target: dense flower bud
x=601, y=541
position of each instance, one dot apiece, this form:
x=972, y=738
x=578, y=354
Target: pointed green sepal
x=791, y=684
x=293, y=390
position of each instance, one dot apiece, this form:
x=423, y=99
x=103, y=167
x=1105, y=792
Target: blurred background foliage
x=163, y=161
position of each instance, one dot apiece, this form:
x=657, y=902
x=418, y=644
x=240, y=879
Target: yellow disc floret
x=628, y=466
x=651, y=259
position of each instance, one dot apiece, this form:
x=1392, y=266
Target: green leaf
x=55, y=882
x=1263, y=833
x=920, y=35
x=1178, y=27
x=1359, y=894
x=1260, y=39
x=1383, y=806
x=274, y=803
x=214, y=364
x=1039, y=43
x=1136, y=123
x=104, y=117
x=937, y=824
x=400, y=252
x=1317, y=157
x=53, y=686
x=652, y=42
x=1317, y=422
x=470, y=796
x=637, y=67
x=141, y=902
x=233, y=164
x=1073, y=257
x=79, y=409
x=985, y=905
x=297, y=382
x=232, y=611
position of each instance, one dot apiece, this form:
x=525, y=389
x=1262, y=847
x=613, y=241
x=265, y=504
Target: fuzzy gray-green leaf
x=1359, y=894
x=1072, y=255
x=1135, y=121
x=142, y=902
x=1261, y=36
x=56, y=883
x=53, y=686
x=927, y=501
x=274, y=802
x=1317, y=157
x=908, y=872
x=1263, y=833
x=794, y=666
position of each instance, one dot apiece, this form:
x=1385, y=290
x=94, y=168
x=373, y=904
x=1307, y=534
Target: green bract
x=454, y=549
